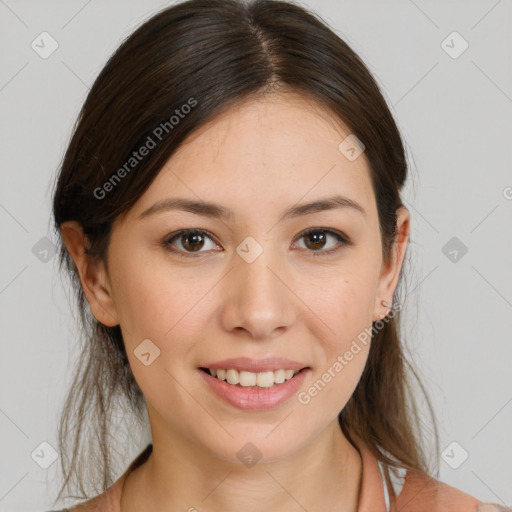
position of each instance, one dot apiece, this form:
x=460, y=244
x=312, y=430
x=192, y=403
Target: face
x=268, y=284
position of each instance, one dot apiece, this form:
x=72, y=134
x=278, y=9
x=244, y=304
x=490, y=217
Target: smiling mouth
x=246, y=379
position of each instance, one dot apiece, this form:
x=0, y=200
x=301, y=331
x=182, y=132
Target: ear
x=390, y=272
x=92, y=273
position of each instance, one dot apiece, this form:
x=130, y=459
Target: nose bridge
x=259, y=300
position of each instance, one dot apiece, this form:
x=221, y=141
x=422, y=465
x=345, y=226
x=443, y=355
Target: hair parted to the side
x=218, y=53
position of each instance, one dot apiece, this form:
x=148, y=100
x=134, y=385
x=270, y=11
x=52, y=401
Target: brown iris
x=192, y=241
x=317, y=239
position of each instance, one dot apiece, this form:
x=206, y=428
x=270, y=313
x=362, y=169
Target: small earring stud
x=385, y=304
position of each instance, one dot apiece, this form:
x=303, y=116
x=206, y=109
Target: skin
x=256, y=159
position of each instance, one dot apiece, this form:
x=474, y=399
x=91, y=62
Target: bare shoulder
x=422, y=492
x=86, y=506
x=492, y=507
x=105, y=502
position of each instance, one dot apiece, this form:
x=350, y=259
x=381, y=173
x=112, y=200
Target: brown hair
x=210, y=55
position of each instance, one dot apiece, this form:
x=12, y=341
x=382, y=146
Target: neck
x=179, y=476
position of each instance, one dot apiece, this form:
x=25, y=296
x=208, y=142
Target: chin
x=256, y=443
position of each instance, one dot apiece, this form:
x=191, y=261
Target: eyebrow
x=214, y=210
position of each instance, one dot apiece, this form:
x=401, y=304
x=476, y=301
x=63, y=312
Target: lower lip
x=255, y=399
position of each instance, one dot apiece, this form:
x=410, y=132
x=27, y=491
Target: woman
x=230, y=214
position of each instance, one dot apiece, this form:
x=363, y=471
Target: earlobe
x=391, y=271
x=92, y=274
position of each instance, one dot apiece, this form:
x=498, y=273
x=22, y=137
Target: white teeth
x=232, y=376
x=279, y=376
x=265, y=379
x=247, y=379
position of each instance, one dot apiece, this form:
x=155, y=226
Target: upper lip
x=256, y=365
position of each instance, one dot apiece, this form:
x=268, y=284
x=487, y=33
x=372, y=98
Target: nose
x=257, y=299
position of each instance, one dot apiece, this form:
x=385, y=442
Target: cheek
x=150, y=296
x=165, y=305
x=345, y=351
x=156, y=304
x=347, y=306
x=139, y=298
x=329, y=392
x=344, y=302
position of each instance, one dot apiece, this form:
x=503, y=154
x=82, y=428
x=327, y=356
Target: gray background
x=455, y=116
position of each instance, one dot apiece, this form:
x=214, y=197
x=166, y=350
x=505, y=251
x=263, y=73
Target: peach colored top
x=382, y=490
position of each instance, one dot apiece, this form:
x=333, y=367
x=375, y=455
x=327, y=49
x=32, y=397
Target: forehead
x=267, y=152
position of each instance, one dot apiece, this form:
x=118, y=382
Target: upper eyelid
x=177, y=234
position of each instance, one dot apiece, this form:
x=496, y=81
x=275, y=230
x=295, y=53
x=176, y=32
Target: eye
x=190, y=240
x=316, y=239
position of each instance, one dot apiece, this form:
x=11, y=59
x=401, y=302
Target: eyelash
x=166, y=243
